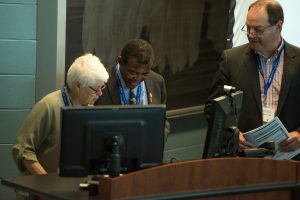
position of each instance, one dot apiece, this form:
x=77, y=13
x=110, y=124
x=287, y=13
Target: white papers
x=271, y=131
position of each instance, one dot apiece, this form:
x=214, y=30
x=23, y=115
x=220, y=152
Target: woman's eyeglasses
x=97, y=90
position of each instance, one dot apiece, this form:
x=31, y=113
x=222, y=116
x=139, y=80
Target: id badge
x=268, y=114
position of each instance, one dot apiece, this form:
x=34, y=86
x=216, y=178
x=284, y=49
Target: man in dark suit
x=132, y=77
x=267, y=70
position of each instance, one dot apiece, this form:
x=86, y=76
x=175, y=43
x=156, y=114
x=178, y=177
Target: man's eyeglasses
x=97, y=90
x=255, y=30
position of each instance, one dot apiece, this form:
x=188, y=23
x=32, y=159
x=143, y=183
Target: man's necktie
x=132, y=97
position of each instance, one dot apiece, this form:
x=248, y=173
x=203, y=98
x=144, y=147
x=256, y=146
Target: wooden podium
x=224, y=178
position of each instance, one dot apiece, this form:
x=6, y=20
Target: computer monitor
x=222, y=138
x=99, y=139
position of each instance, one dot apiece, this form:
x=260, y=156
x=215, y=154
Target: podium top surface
x=50, y=186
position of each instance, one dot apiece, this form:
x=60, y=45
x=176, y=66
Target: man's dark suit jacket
x=155, y=87
x=238, y=68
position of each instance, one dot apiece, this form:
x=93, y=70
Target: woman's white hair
x=88, y=70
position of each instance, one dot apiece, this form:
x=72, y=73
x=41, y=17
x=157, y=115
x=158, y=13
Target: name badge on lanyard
x=268, y=114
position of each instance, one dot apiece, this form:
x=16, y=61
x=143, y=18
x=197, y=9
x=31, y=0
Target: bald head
x=273, y=9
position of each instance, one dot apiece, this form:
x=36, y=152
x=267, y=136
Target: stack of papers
x=271, y=131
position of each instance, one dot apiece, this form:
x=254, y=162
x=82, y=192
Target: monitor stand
x=232, y=142
x=115, y=158
x=232, y=133
x=91, y=184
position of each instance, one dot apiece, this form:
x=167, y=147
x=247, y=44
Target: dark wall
x=187, y=37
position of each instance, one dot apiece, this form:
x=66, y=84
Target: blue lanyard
x=125, y=100
x=272, y=74
x=138, y=94
x=64, y=96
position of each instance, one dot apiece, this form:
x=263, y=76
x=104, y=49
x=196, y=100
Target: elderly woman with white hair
x=36, y=149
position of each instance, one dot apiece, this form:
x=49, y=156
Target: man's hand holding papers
x=291, y=143
x=276, y=132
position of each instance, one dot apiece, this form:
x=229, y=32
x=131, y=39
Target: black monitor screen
x=89, y=135
x=222, y=138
